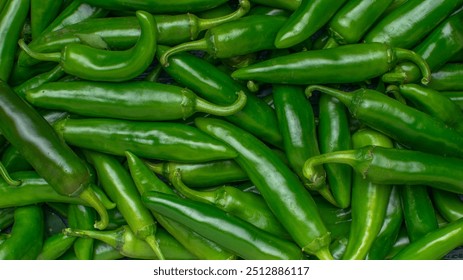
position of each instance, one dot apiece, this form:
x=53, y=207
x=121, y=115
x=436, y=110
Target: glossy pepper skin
x=82, y=217
x=283, y=4
x=89, y=63
x=400, y=122
x=36, y=140
x=234, y=234
x=308, y=18
x=28, y=228
x=334, y=135
x=118, y=184
x=157, y=6
x=123, y=32
x=443, y=43
x=253, y=33
x=331, y=66
x=216, y=86
x=42, y=14
x=448, y=204
x=36, y=81
x=369, y=201
x=448, y=78
x=396, y=166
x=434, y=245
x=409, y=23
x=141, y=100
x=12, y=18
x=154, y=140
x=145, y=180
x=55, y=246
x=280, y=187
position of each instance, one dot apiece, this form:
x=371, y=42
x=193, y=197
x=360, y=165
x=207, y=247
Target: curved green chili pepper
x=334, y=135
x=202, y=175
x=369, y=201
x=123, y=32
x=396, y=166
x=102, y=65
x=127, y=244
x=437, y=48
x=157, y=6
x=155, y=140
x=212, y=84
x=82, y=217
x=390, y=229
x=247, y=206
x=419, y=214
x=434, y=245
x=251, y=34
x=409, y=23
x=119, y=186
x=286, y=196
x=400, y=122
x=448, y=204
x=332, y=66
x=308, y=18
x=141, y=100
x=146, y=181
x=45, y=151
x=12, y=18
x=297, y=125
x=449, y=77
x=27, y=230
x=55, y=246
x=234, y=234
x=42, y=14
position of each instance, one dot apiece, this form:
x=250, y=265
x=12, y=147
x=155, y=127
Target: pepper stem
x=6, y=176
x=199, y=45
x=111, y=237
x=343, y=96
x=55, y=57
x=90, y=197
x=151, y=240
x=158, y=168
x=244, y=7
x=208, y=197
x=403, y=54
x=209, y=108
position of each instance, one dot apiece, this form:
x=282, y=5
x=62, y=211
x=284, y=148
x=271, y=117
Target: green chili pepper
x=234, y=234
x=308, y=18
x=104, y=251
x=202, y=175
x=435, y=104
x=334, y=135
x=286, y=196
x=45, y=151
x=212, y=84
x=337, y=220
x=448, y=204
x=42, y=14
x=102, y=65
x=369, y=201
x=419, y=213
x=50, y=76
x=155, y=140
x=12, y=18
x=21, y=74
x=13, y=161
x=434, y=245
x=408, y=24
x=251, y=34
x=455, y=96
x=55, y=246
x=6, y=217
x=146, y=181
x=400, y=122
x=128, y=245
x=283, y=4
x=447, y=78
x=247, y=206
x=269, y=11
x=390, y=229
x=396, y=166
x=27, y=230
x=157, y=6
x=332, y=65
x=82, y=217
x=5, y=175
x=123, y=32
x=354, y=19
x=141, y=100
x=119, y=186
x=437, y=48
x=297, y=125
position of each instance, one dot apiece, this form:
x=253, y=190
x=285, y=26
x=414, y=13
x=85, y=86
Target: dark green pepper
x=448, y=78
x=157, y=6
x=42, y=14
x=46, y=77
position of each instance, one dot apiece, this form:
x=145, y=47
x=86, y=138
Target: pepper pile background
x=198, y=129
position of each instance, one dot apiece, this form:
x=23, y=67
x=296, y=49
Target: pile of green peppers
x=224, y=130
